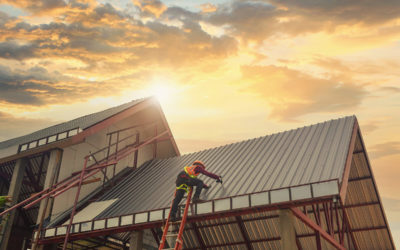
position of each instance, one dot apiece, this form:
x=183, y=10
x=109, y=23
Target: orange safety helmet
x=199, y=163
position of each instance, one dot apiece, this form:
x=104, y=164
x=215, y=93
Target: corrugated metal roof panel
x=284, y=159
x=81, y=122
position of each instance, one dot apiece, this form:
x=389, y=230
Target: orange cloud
x=291, y=94
x=150, y=7
x=11, y=125
x=208, y=7
x=38, y=6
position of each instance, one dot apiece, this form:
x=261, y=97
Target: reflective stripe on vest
x=190, y=171
x=184, y=187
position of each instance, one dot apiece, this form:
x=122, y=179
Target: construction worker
x=188, y=178
x=3, y=201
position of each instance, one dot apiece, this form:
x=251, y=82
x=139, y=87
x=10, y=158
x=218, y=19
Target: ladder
x=179, y=240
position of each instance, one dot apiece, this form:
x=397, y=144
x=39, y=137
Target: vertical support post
x=13, y=191
x=75, y=202
x=244, y=232
x=318, y=220
x=46, y=205
x=135, y=160
x=116, y=150
x=338, y=224
x=107, y=158
x=287, y=230
x=155, y=143
x=136, y=240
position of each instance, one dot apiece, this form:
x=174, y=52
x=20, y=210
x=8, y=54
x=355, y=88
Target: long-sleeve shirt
x=201, y=170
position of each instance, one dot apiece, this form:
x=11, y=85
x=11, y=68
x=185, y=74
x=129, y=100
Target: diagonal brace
x=301, y=216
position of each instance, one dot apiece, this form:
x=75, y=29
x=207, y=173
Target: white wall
x=73, y=156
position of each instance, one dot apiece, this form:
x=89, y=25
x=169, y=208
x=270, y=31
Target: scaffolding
x=114, y=152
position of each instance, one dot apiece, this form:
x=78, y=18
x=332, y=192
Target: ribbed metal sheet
x=309, y=154
x=81, y=122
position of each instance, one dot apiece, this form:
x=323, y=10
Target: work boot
x=197, y=200
x=173, y=218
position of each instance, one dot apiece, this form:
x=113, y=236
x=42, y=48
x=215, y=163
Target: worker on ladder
x=188, y=178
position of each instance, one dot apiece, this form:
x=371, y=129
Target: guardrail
x=263, y=198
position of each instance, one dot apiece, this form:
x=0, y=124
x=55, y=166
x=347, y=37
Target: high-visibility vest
x=190, y=171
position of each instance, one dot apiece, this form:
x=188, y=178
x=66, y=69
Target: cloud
x=367, y=12
x=248, y=20
x=385, y=149
x=150, y=7
x=104, y=34
x=37, y=86
x=208, y=7
x=37, y=6
x=291, y=94
x=390, y=89
x=259, y=20
x=12, y=50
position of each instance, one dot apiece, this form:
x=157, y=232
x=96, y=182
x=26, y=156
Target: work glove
x=206, y=186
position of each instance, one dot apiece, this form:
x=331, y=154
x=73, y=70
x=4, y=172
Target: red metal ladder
x=179, y=240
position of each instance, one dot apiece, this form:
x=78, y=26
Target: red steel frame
x=317, y=206
x=118, y=155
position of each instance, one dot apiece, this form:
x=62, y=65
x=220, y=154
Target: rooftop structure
x=307, y=188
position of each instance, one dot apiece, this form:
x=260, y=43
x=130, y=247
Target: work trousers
x=183, y=178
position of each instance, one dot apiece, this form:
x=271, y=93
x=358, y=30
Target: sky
x=223, y=71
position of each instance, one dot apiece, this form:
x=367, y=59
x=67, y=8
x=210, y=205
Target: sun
x=163, y=90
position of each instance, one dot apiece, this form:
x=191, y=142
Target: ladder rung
x=176, y=222
x=171, y=235
x=168, y=248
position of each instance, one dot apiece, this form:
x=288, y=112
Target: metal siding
x=279, y=160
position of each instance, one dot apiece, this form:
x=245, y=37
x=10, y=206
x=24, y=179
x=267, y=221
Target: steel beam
x=153, y=231
x=346, y=172
x=301, y=216
x=198, y=235
x=244, y=232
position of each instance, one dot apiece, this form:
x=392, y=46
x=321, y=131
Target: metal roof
x=305, y=155
x=242, y=213
x=83, y=123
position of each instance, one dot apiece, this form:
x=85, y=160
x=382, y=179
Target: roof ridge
x=136, y=101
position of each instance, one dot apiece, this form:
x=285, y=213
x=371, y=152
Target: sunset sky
x=223, y=70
